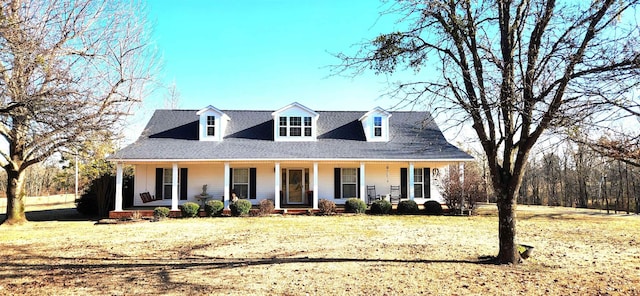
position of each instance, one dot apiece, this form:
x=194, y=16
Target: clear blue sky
x=265, y=54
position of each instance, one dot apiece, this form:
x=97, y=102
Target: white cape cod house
x=293, y=156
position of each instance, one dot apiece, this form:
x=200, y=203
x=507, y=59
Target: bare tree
x=172, y=97
x=69, y=71
x=463, y=193
x=514, y=69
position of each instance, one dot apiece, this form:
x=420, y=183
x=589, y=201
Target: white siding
x=380, y=174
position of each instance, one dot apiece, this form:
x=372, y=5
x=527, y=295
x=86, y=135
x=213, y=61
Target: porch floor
x=285, y=210
x=148, y=212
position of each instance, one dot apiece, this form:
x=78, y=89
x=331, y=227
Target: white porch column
x=227, y=178
x=315, y=185
x=412, y=191
x=363, y=186
x=276, y=186
x=174, y=187
x=118, y=207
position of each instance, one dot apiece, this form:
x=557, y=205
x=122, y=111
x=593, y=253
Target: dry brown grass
x=576, y=252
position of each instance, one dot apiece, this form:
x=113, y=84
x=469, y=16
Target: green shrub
x=266, y=207
x=213, y=207
x=432, y=207
x=327, y=207
x=407, y=207
x=189, y=209
x=240, y=207
x=355, y=205
x=161, y=212
x=381, y=207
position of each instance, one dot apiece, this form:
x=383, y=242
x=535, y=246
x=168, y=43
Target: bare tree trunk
x=626, y=177
x=637, y=197
x=15, y=196
x=620, y=187
x=606, y=196
x=508, y=252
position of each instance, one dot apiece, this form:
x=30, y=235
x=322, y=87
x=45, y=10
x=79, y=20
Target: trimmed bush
x=240, y=207
x=87, y=204
x=161, y=212
x=407, y=207
x=266, y=207
x=213, y=208
x=432, y=207
x=355, y=205
x=381, y=207
x=326, y=207
x=189, y=209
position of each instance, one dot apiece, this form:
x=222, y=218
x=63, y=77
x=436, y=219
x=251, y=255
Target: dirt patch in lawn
x=575, y=252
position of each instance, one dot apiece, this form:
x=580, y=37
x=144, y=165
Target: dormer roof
x=376, y=110
x=214, y=110
x=292, y=106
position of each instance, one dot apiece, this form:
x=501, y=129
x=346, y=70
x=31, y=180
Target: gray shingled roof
x=173, y=134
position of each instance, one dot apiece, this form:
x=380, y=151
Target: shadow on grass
x=107, y=264
x=571, y=215
x=65, y=214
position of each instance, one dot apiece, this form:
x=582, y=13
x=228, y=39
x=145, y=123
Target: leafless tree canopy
x=515, y=69
x=69, y=71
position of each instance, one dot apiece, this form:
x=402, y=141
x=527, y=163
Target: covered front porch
x=289, y=184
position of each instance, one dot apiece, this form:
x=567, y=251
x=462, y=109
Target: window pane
x=167, y=191
x=377, y=121
x=417, y=175
x=283, y=131
x=211, y=120
x=283, y=121
x=211, y=131
x=241, y=190
x=307, y=132
x=418, y=190
x=168, y=176
x=307, y=121
x=377, y=131
x=348, y=190
x=349, y=176
x=295, y=121
x=296, y=132
x=241, y=176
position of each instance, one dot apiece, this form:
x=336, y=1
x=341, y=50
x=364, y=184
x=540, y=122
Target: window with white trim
x=418, y=183
x=349, y=181
x=167, y=183
x=283, y=126
x=211, y=125
x=307, y=126
x=241, y=182
x=377, y=126
x=295, y=126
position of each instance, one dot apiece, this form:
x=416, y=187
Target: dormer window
x=377, y=126
x=307, y=126
x=211, y=126
x=212, y=123
x=295, y=123
x=283, y=126
x=295, y=127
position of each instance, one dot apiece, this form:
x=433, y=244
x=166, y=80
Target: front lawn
x=576, y=252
